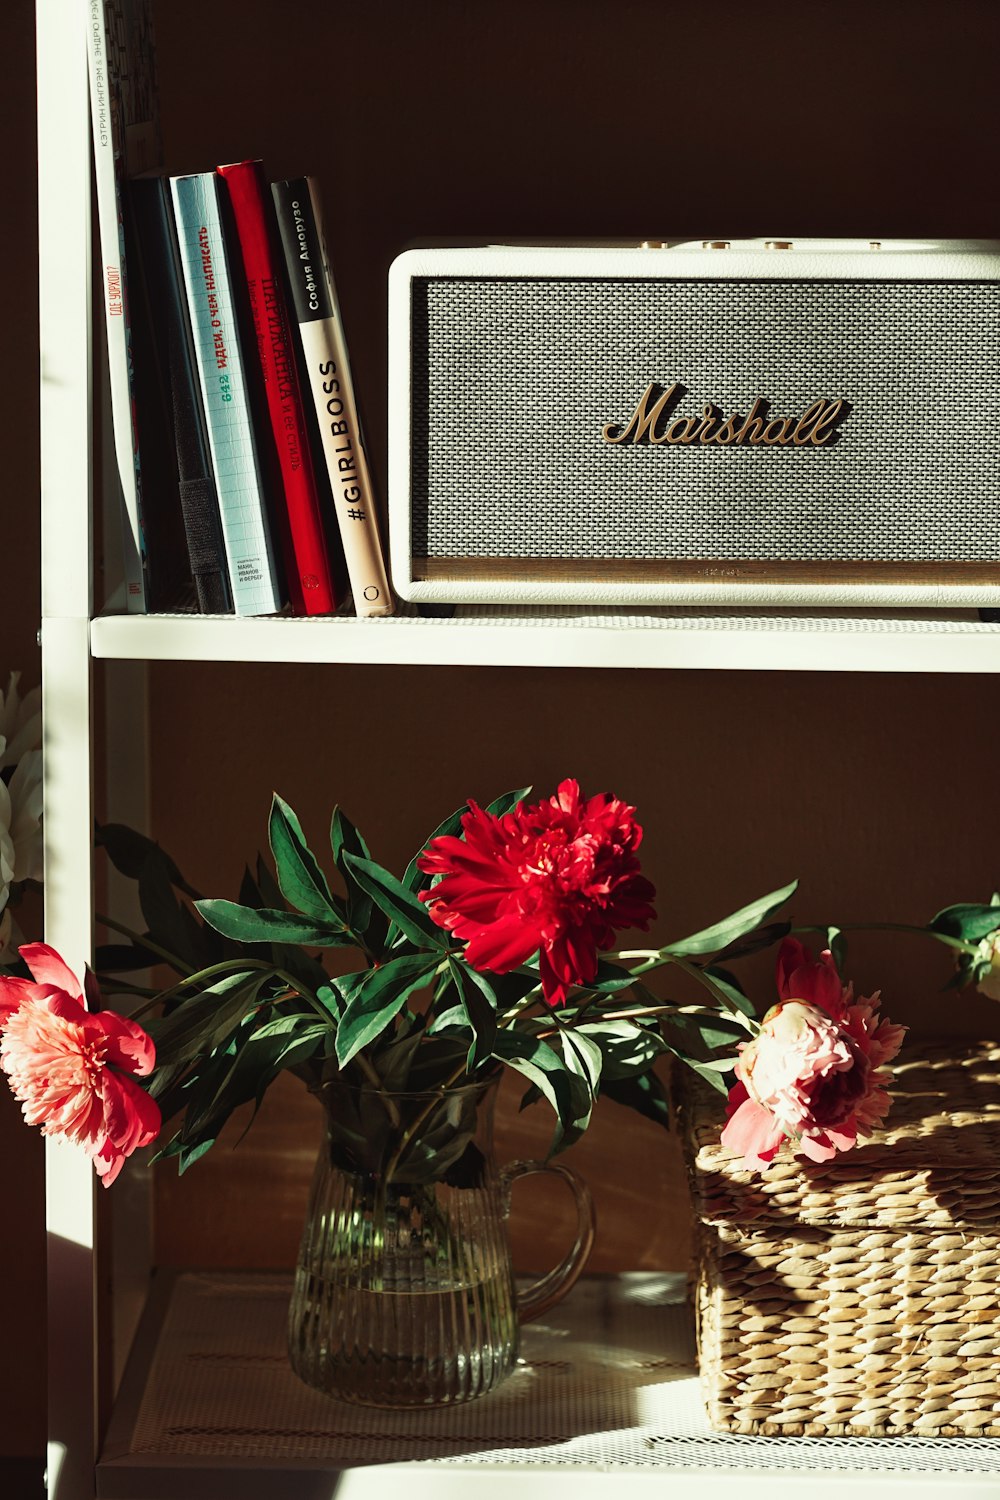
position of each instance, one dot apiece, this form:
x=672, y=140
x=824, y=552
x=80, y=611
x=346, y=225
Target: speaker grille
x=514, y=379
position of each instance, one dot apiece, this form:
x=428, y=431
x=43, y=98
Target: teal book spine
x=222, y=373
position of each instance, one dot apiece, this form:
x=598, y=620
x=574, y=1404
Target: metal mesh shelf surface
x=606, y=1384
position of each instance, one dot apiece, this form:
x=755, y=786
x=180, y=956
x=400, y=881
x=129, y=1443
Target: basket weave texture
x=857, y=1297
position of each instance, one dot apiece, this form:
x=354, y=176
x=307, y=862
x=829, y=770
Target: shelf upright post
x=65, y=338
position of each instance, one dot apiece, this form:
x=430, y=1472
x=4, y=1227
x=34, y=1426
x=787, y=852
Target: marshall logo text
x=653, y=422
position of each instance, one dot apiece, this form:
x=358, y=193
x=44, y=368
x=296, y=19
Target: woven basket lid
x=935, y=1163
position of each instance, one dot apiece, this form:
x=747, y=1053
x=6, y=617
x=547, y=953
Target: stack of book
x=244, y=480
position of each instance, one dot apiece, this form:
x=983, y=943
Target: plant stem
x=939, y=937
x=125, y=987
x=706, y=980
x=388, y=1102
x=143, y=942
x=412, y=1129
x=228, y=966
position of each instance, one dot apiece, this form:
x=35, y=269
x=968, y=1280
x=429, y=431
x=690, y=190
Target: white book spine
x=328, y=370
x=246, y=533
x=115, y=299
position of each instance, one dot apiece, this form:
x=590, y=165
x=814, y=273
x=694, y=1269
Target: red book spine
x=250, y=198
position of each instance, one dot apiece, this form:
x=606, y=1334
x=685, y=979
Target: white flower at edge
x=989, y=952
x=7, y=851
x=11, y=938
x=24, y=792
x=20, y=722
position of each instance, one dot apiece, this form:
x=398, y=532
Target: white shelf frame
x=66, y=466
x=670, y=639
x=79, y=1373
x=649, y=1412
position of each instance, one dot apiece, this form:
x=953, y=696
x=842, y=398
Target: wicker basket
x=860, y=1297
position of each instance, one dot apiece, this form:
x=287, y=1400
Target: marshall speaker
x=766, y=423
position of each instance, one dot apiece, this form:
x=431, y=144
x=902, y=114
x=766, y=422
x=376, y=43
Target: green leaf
x=247, y=1071
x=162, y=910
x=721, y=934
x=710, y=1071
x=627, y=1049
x=438, y=1057
x=188, y=1155
x=726, y=982
x=967, y=922
x=201, y=945
x=197, y=1025
x=584, y=1058
x=480, y=1005
x=393, y=1063
x=399, y=905
x=448, y=1020
x=609, y=979
x=166, y=1085
x=413, y=878
x=168, y=1149
x=269, y=889
x=753, y=942
x=707, y=1033
x=566, y=1091
x=330, y=1000
x=379, y=997
x=507, y=801
x=300, y=878
x=129, y=851
x=265, y=925
x=837, y=944
x=346, y=840
x=123, y=958
x=645, y=1093
x=347, y=985
x=512, y=987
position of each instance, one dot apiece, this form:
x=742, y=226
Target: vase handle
x=532, y=1301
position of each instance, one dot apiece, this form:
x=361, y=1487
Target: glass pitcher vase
x=404, y=1290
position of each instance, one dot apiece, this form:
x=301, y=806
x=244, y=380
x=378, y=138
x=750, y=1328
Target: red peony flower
x=812, y=1073
x=70, y=1066
x=558, y=878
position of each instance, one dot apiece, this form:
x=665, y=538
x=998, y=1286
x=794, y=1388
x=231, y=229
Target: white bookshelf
x=84, y=1361
x=496, y=636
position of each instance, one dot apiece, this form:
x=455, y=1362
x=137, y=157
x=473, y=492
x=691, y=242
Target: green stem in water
x=411, y=1131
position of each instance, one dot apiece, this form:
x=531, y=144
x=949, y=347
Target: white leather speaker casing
x=497, y=397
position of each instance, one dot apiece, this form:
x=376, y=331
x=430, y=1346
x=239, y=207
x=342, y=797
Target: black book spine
x=312, y=291
x=181, y=407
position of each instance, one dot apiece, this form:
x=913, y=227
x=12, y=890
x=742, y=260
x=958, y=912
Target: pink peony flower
x=557, y=878
x=812, y=1073
x=988, y=952
x=70, y=1066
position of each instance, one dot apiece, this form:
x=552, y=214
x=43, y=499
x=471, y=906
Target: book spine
x=109, y=169
x=253, y=216
x=175, y=404
x=222, y=377
x=328, y=372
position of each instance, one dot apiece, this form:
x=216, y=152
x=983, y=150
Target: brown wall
x=572, y=120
